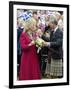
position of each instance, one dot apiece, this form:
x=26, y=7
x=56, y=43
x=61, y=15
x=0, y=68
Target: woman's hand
x=32, y=43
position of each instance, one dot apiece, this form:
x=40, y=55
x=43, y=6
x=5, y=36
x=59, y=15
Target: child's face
x=39, y=33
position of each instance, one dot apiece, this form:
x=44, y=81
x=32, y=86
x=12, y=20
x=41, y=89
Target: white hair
x=57, y=13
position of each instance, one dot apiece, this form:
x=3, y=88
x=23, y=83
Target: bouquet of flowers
x=39, y=42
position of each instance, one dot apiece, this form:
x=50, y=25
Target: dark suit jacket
x=19, y=31
x=56, y=41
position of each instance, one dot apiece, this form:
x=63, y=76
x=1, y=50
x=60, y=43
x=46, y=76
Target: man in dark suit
x=55, y=45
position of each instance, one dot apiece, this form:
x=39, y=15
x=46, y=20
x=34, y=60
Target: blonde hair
x=27, y=23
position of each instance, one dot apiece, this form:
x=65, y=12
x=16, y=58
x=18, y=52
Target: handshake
x=39, y=43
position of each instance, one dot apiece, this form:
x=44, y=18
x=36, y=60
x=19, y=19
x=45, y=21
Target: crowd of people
x=39, y=44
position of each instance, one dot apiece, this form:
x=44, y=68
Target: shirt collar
x=55, y=29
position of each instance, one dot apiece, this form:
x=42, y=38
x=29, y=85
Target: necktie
x=51, y=35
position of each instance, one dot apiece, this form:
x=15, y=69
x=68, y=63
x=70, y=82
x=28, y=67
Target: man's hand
x=46, y=43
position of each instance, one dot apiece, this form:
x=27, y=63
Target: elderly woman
x=30, y=67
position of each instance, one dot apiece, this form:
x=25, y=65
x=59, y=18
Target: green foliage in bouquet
x=39, y=42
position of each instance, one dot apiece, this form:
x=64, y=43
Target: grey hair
x=53, y=20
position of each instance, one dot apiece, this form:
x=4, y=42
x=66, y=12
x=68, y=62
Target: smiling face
x=51, y=25
x=32, y=24
x=53, y=22
x=32, y=27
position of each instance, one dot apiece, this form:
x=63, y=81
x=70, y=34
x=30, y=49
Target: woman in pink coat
x=30, y=66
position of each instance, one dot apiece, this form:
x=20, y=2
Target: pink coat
x=30, y=66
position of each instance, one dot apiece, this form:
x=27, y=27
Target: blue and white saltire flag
x=25, y=16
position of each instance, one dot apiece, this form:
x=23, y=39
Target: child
x=39, y=41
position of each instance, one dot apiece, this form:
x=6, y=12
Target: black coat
x=56, y=41
x=19, y=31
